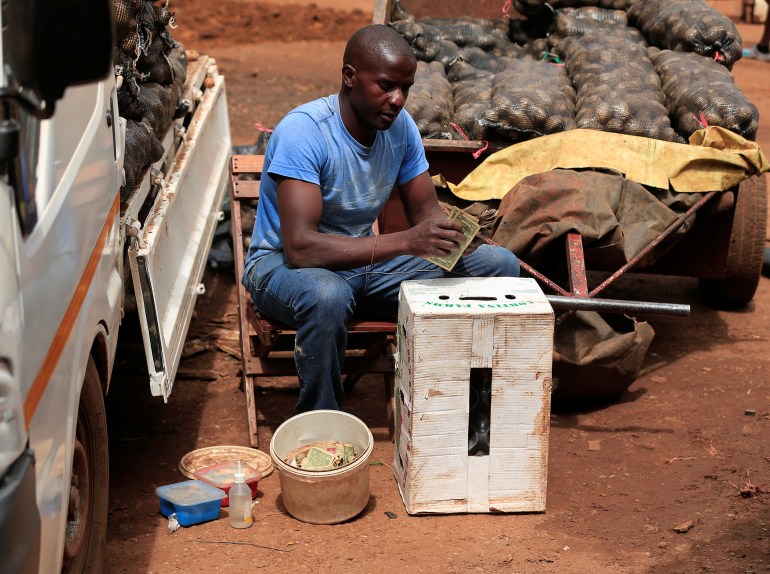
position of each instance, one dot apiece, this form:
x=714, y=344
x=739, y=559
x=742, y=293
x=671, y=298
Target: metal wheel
x=87, y=510
x=745, y=249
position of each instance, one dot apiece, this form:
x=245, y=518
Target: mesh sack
x=167, y=67
x=431, y=101
x=152, y=63
x=688, y=26
x=142, y=150
x=460, y=70
x=159, y=104
x=511, y=50
x=151, y=70
x=523, y=31
x=487, y=34
x=124, y=13
x=155, y=43
x=177, y=60
x=397, y=12
x=128, y=88
x=531, y=98
x=408, y=28
x=577, y=22
x=472, y=99
x=145, y=23
x=126, y=34
x=617, y=87
x=538, y=48
x=696, y=85
x=430, y=49
x=482, y=60
x=539, y=6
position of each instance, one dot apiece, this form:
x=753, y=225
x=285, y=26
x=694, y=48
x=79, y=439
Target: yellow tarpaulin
x=715, y=160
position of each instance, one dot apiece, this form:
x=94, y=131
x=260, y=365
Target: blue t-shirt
x=312, y=144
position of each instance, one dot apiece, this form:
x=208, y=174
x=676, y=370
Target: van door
x=170, y=250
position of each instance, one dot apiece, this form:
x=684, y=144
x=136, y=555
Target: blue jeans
x=319, y=303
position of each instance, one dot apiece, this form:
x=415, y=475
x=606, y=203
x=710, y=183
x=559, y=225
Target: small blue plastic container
x=193, y=501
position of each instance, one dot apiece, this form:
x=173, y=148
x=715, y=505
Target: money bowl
x=323, y=496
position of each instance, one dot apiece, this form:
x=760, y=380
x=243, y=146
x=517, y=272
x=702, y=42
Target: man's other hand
x=434, y=238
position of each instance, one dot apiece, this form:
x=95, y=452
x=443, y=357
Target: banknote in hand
x=470, y=229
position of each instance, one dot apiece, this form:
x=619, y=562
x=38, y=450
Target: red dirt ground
x=678, y=448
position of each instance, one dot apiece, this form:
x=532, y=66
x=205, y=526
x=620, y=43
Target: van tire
x=86, y=532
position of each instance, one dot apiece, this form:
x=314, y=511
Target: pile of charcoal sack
x=150, y=68
x=652, y=68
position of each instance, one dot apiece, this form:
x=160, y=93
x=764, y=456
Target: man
x=329, y=168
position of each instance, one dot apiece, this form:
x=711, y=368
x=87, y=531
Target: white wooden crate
x=446, y=328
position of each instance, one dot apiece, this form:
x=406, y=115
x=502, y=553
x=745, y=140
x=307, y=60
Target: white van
x=72, y=252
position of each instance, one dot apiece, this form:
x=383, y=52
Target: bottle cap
x=240, y=477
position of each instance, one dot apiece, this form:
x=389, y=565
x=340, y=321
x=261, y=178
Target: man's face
x=378, y=94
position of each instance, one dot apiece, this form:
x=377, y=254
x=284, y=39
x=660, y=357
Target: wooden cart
x=723, y=249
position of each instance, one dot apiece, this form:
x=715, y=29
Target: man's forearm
x=429, y=238
x=335, y=252
x=435, y=211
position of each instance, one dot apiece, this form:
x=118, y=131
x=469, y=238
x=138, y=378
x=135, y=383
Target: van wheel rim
x=78, y=507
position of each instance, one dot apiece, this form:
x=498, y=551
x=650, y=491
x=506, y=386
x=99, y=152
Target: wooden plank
x=482, y=347
x=266, y=325
x=247, y=164
x=243, y=323
x=251, y=410
x=431, y=145
x=362, y=326
x=196, y=74
x=451, y=145
x=478, y=484
x=245, y=188
x=285, y=366
x=382, y=11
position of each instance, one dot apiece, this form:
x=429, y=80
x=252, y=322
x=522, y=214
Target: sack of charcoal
x=431, y=101
x=530, y=98
x=688, y=26
x=700, y=92
x=617, y=87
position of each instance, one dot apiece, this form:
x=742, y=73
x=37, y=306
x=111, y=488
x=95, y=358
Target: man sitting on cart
x=329, y=168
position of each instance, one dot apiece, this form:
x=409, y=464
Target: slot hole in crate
x=479, y=411
x=478, y=298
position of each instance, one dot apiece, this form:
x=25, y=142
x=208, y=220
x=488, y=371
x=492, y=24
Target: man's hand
x=475, y=243
x=434, y=238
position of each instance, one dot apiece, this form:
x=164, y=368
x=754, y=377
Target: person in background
x=329, y=168
x=762, y=49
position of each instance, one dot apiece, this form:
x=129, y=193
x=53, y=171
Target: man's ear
x=348, y=73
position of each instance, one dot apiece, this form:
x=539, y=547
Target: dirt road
x=678, y=450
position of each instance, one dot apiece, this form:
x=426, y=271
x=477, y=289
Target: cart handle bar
x=617, y=306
